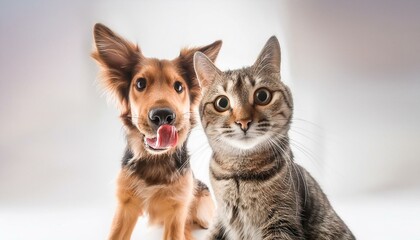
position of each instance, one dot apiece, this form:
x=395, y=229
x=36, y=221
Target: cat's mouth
x=245, y=137
x=243, y=141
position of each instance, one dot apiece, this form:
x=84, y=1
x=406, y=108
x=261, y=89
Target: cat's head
x=245, y=109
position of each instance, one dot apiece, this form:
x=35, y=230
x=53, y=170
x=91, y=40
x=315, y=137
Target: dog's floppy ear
x=186, y=59
x=117, y=58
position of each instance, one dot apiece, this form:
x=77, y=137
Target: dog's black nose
x=160, y=116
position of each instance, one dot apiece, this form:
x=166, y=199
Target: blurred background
x=353, y=67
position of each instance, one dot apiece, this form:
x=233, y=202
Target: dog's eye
x=141, y=84
x=221, y=104
x=178, y=87
x=262, y=96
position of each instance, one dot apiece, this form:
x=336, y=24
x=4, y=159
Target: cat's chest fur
x=240, y=209
x=243, y=205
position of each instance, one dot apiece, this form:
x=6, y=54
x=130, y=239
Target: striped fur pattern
x=261, y=193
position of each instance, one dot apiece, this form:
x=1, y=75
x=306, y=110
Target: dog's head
x=156, y=97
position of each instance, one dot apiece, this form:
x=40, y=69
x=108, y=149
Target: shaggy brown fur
x=159, y=183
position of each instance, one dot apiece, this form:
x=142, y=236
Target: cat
x=261, y=192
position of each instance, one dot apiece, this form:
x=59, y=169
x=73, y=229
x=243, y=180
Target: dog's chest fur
x=159, y=184
x=158, y=200
x=156, y=197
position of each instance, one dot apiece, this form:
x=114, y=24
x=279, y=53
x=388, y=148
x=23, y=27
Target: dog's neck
x=155, y=169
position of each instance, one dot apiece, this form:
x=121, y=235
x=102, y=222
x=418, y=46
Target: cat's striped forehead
x=238, y=81
x=245, y=80
x=237, y=84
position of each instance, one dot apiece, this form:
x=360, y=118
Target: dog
x=157, y=101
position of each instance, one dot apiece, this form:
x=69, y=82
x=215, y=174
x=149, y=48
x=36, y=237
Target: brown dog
x=157, y=99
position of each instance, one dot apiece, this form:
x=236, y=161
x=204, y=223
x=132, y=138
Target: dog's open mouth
x=166, y=137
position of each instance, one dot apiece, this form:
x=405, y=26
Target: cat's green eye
x=262, y=96
x=221, y=103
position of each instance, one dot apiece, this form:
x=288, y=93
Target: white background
x=353, y=67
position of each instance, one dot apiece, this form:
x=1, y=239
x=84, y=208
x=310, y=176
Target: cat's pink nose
x=244, y=124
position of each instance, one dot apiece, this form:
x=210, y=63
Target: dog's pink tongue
x=167, y=136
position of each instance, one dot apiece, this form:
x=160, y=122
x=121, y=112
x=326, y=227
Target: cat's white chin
x=244, y=143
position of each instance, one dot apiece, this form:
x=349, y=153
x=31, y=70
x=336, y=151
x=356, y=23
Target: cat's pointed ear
x=205, y=70
x=117, y=58
x=268, y=61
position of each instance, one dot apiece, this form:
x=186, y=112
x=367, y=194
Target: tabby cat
x=260, y=191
